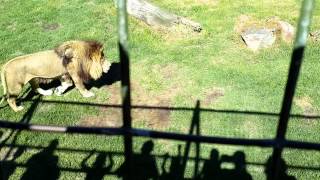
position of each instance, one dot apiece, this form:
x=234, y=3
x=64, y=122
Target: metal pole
x=125, y=83
x=296, y=60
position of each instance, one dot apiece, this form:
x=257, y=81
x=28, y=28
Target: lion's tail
x=4, y=85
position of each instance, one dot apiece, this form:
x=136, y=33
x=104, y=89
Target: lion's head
x=87, y=57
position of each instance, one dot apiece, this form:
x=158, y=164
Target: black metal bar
x=125, y=83
x=193, y=128
x=160, y=135
x=301, y=145
x=252, y=113
x=296, y=61
x=198, y=133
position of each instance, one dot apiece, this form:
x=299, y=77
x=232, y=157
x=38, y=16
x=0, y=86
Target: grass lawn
x=168, y=68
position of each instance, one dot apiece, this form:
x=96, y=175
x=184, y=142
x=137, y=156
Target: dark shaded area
x=112, y=76
x=295, y=65
x=211, y=167
x=50, y=26
x=239, y=171
x=175, y=169
x=99, y=168
x=143, y=164
x=282, y=170
x=7, y=167
x=43, y=165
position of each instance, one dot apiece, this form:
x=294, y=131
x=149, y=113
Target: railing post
x=125, y=84
x=296, y=60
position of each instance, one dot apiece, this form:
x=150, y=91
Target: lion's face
x=98, y=58
x=88, y=55
x=99, y=64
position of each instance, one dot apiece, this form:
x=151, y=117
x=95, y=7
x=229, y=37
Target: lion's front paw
x=87, y=94
x=18, y=108
x=106, y=66
x=59, y=91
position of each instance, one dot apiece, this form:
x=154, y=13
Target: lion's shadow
x=112, y=76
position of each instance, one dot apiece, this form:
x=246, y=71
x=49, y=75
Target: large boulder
x=259, y=34
x=256, y=39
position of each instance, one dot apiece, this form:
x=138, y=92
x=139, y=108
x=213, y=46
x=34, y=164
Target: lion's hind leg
x=12, y=94
x=12, y=103
x=35, y=86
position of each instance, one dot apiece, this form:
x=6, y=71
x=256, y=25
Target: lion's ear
x=64, y=51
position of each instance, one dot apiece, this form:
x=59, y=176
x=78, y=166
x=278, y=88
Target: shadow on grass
x=12, y=135
x=44, y=164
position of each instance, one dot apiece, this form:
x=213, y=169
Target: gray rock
x=256, y=39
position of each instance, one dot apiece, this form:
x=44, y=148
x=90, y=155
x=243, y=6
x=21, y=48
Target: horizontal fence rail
x=162, y=135
x=171, y=108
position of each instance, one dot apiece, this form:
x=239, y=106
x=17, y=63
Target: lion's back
x=44, y=63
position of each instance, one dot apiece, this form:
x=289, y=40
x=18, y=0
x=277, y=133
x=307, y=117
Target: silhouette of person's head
x=214, y=155
x=43, y=165
x=100, y=161
x=52, y=146
x=147, y=147
x=179, y=149
x=239, y=159
x=282, y=169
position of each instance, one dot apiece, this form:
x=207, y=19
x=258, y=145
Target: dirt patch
x=50, y=26
x=177, y=32
x=244, y=22
x=168, y=71
x=152, y=118
x=305, y=103
x=212, y=95
x=109, y=117
x=12, y=26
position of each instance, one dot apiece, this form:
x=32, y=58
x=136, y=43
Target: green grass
x=168, y=69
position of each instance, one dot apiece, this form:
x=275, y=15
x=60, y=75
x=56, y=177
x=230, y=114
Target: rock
x=287, y=31
x=315, y=35
x=256, y=39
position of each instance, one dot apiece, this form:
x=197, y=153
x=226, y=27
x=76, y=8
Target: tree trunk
x=154, y=16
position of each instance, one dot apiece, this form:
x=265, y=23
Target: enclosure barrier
x=278, y=143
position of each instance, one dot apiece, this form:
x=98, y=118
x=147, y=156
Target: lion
x=72, y=62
